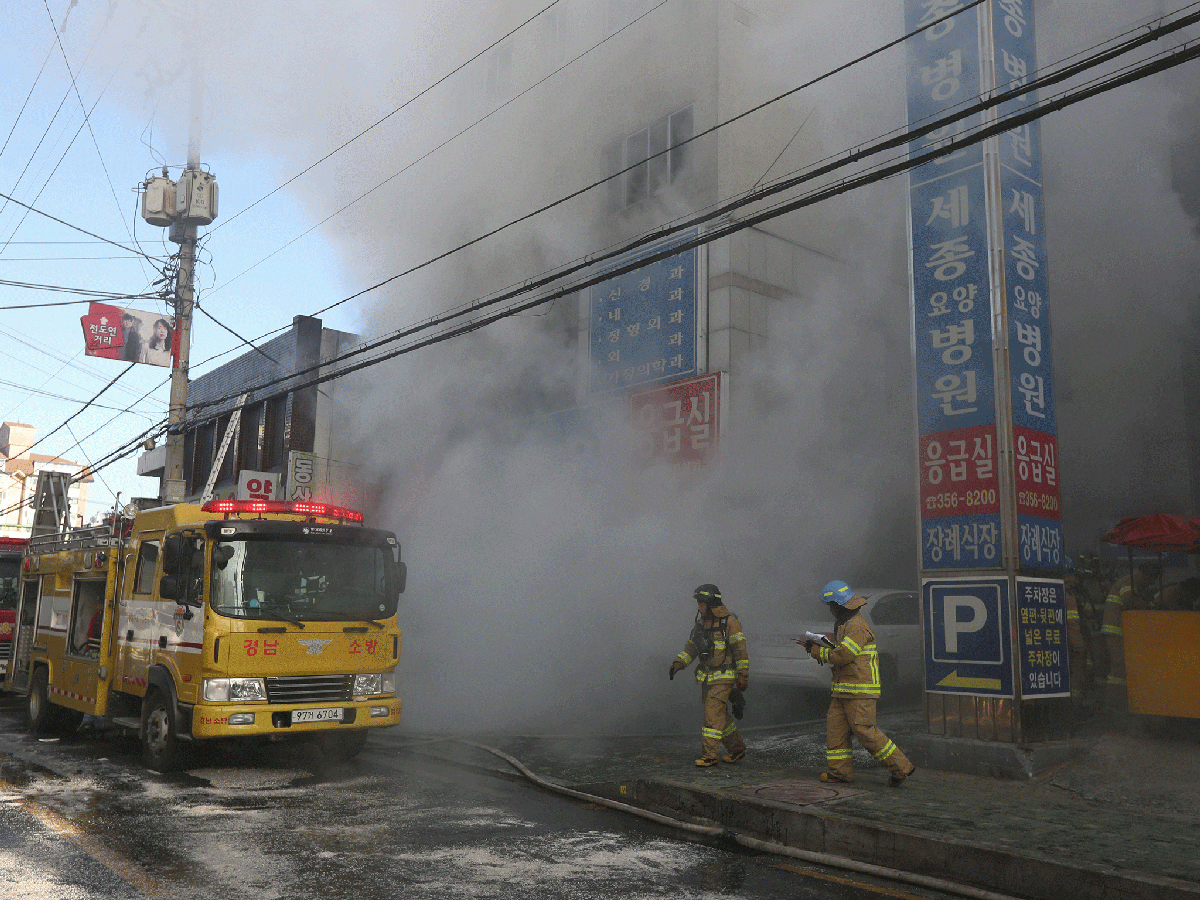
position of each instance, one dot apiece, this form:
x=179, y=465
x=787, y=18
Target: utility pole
x=174, y=486
x=182, y=205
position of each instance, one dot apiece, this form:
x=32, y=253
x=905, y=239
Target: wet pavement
x=1119, y=816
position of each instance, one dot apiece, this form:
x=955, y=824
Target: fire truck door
x=23, y=640
x=136, y=616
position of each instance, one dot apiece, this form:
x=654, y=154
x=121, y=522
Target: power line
x=21, y=112
x=80, y=230
x=444, y=143
x=32, y=390
x=1031, y=112
x=378, y=122
x=594, y=184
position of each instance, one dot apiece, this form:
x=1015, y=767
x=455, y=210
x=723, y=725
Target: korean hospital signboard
x=955, y=372
x=1035, y=433
x=644, y=323
x=967, y=208
x=680, y=423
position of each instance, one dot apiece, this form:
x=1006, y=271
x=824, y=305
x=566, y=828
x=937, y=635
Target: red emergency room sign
x=680, y=422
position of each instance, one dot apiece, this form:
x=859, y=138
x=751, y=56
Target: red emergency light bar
x=291, y=507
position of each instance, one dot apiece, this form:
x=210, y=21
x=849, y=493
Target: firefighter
x=1077, y=634
x=722, y=670
x=854, y=691
x=1130, y=592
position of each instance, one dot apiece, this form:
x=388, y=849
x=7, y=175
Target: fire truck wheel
x=158, y=733
x=42, y=713
x=343, y=745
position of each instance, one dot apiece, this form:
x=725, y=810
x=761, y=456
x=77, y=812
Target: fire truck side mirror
x=401, y=578
x=171, y=587
x=174, y=558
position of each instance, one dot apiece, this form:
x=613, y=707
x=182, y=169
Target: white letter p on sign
x=954, y=627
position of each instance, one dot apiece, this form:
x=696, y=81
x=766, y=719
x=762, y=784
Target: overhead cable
x=1032, y=112
x=448, y=140
x=379, y=122
x=80, y=230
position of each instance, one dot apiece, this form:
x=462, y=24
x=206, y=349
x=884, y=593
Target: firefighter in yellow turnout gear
x=723, y=667
x=855, y=690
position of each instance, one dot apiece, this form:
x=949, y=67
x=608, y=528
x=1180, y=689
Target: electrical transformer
x=196, y=197
x=158, y=201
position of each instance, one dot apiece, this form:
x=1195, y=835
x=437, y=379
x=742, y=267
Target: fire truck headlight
x=242, y=689
x=389, y=682
x=216, y=690
x=370, y=683
x=238, y=690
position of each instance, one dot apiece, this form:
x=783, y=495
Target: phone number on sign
x=966, y=500
x=1037, y=500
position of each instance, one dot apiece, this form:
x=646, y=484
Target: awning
x=1163, y=532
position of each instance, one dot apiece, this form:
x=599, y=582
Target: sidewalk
x=1120, y=818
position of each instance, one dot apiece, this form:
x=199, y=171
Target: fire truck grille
x=309, y=688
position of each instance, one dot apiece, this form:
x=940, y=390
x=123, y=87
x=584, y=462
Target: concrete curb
x=825, y=831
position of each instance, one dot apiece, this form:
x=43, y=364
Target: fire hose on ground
x=716, y=831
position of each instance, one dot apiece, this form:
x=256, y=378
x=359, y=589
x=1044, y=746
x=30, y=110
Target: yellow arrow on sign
x=983, y=684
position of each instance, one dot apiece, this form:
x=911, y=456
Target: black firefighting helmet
x=708, y=594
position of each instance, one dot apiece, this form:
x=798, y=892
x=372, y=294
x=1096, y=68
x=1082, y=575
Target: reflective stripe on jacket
x=855, y=661
x=729, y=657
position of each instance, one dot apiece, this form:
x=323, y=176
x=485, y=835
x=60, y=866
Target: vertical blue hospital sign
x=1035, y=433
x=955, y=373
x=644, y=322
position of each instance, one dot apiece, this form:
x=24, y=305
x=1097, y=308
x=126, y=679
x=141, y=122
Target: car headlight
x=236, y=690
x=375, y=683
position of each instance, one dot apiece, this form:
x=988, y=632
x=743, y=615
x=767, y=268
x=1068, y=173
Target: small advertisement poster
x=131, y=335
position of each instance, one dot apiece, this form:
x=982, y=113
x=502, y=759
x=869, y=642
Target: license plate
x=329, y=714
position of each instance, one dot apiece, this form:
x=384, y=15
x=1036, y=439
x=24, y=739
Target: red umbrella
x=1162, y=532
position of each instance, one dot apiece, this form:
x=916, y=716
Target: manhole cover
x=802, y=793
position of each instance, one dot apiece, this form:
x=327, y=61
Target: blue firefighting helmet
x=836, y=592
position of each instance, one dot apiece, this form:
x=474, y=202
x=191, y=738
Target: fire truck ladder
x=52, y=529
x=231, y=430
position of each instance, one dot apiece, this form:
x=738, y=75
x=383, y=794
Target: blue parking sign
x=968, y=641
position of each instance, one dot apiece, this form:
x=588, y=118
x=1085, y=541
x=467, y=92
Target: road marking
x=123, y=868
x=887, y=892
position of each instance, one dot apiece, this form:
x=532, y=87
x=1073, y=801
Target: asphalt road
x=82, y=819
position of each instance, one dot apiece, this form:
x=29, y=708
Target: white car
x=776, y=658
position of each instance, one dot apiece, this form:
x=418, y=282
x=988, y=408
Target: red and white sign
x=681, y=422
x=258, y=485
x=115, y=332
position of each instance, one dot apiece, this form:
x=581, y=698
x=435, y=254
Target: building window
x=656, y=158
x=274, y=411
x=202, y=459
x=250, y=438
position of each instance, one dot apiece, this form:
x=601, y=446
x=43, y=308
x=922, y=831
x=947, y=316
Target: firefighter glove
x=675, y=667
x=743, y=682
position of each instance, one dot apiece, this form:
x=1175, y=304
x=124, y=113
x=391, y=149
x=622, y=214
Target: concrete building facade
x=18, y=480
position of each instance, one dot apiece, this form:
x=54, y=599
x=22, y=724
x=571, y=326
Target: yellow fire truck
x=231, y=619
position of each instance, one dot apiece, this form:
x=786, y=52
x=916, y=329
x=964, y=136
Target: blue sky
x=49, y=163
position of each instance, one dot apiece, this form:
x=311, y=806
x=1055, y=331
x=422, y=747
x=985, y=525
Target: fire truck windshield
x=264, y=577
x=10, y=578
